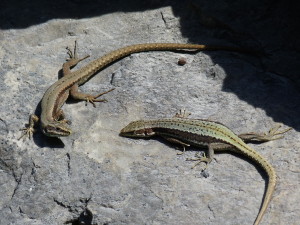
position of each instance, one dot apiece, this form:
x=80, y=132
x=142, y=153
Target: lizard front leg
x=29, y=128
x=74, y=92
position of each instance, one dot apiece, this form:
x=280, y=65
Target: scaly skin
x=212, y=134
x=52, y=118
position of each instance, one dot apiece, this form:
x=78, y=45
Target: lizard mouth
x=56, y=130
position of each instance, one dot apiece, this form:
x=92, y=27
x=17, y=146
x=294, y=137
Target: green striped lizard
x=216, y=136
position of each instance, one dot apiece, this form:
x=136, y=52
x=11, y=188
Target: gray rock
x=96, y=177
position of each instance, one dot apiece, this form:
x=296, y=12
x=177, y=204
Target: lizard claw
x=27, y=131
x=200, y=158
x=92, y=99
x=274, y=133
x=73, y=57
x=183, y=113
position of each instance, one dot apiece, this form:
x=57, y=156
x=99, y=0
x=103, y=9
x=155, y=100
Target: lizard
x=52, y=119
x=214, y=135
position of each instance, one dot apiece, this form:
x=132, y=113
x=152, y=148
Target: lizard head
x=137, y=129
x=56, y=129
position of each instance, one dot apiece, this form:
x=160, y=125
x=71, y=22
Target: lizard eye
x=149, y=132
x=140, y=133
x=144, y=132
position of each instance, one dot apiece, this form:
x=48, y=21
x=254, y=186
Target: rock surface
x=96, y=177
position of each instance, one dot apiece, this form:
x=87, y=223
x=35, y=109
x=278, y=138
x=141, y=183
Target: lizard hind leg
x=273, y=134
x=203, y=158
x=87, y=97
x=92, y=99
x=73, y=60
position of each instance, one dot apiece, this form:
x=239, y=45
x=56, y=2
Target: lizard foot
x=200, y=158
x=27, y=131
x=29, y=128
x=73, y=57
x=183, y=113
x=270, y=135
x=92, y=99
x=273, y=134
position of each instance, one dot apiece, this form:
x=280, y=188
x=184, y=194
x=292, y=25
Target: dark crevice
x=63, y=205
x=68, y=162
x=18, y=180
x=33, y=171
x=85, y=218
x=163, y=18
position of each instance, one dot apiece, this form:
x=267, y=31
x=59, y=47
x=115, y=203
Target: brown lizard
x=52, y=120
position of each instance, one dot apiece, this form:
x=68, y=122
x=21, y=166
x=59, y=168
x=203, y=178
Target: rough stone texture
x=96, y=177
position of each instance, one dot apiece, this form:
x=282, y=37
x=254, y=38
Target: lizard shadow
x=204, y=149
